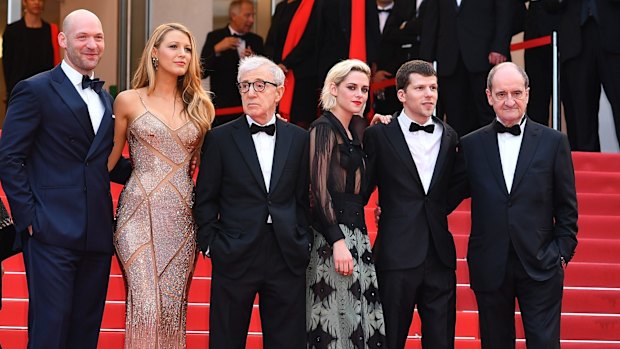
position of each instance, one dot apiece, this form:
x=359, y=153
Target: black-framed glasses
x=258, y=85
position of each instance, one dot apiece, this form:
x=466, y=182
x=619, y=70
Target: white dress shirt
x=91, y=98
x=423, y=146
x=241, y=46
x=265, y=146
x=383, y=16
x=509, y=146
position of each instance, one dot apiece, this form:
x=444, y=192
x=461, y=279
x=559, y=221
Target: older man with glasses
x=252, y=215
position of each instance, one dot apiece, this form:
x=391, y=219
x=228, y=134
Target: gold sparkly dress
x=155, y=234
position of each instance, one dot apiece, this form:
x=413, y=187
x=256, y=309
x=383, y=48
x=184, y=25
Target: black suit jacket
x=570, y=27
x=223, y=68
x=539, y=215
x=470, y=31
x=401, y=42
x=408, y=215
x=232, y=203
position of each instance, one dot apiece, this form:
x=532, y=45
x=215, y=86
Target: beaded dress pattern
x=155, y=235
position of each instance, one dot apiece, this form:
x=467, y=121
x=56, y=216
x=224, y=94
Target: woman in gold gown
x=164, y=119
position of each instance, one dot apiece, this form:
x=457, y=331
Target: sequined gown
x=343, y=312
x=155, y=235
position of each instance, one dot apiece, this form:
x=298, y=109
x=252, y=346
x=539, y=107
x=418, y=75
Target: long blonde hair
x=196, y=101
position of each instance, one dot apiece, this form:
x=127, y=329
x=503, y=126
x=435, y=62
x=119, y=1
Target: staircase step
x=597, y=182
x=604, y=162
x=598, y=204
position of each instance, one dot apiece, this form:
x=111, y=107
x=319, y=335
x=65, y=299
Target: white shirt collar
x=73, y=75
x=521, y=123
x=232, y=31
x=251, y=121
x=388, y=7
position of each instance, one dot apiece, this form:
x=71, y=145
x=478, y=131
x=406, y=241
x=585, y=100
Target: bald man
x=53, y=165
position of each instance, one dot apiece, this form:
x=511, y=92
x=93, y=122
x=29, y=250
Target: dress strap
x=142, y=100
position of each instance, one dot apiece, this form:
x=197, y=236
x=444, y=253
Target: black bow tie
x=386, y=10
x=240, y=36
x=416, y=127
x=269, y=129
x=514, y=130
x=95, y=83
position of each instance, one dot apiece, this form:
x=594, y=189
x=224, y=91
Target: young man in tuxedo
x=523, y=217
x=252, y=214
x=413, y=161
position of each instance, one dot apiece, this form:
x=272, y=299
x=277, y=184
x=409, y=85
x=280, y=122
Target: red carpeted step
x=599, y=204
x=605, y=162
x=598, y=251
x=597, y=182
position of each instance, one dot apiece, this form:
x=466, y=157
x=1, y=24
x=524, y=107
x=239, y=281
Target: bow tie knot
x=240, y=36
x=269, y=129
x=95, y=84
x=417, y=127
x=385, y=10
x=514, y=130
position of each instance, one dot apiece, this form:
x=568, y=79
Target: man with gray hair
x=222, y=51
x=252, y=214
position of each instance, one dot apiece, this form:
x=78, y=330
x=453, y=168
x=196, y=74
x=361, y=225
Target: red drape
x=357, y=45
x=295, y=32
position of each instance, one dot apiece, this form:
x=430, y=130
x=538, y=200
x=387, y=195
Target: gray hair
x=336, y=75
x=494, y=70
x=247, y=64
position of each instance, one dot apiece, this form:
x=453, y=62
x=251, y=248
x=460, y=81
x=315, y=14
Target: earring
x=155, y=61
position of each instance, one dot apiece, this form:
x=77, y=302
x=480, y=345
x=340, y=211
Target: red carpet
x=591, y=304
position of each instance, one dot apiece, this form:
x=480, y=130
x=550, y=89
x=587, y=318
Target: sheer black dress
x=343, y=311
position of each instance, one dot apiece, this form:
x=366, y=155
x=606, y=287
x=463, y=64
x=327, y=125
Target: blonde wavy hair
x=196, y=101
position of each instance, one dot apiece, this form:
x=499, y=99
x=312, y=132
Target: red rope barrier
x=542, y=41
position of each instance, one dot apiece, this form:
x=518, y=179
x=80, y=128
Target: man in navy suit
x=252, y=215
x=222, y=51
x=524, y=217
x=54, y=150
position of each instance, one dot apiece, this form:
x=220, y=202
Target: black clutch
x=7, y=234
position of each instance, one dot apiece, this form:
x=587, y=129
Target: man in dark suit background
x=413, y=161
x=54, y=150
x=466, y=38
x=590, y=53
x=252, y=215
x=222, y=51
x=524, y=217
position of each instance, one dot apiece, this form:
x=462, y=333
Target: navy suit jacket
x=409, y=216
x=54, y=168
x=539, y=215
x=232, y=203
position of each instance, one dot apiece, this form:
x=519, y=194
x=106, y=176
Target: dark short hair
x=415, y=66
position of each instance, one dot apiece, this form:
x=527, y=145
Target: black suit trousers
x=540, y=303
x=584, y=75
x=281, y=302
x=432, y=288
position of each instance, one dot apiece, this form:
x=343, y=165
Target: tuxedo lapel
x=529, y=144
x=491, y=151
x=66, y=91
x=243, y=139
x=280, y=153
x=106, y=122
x=396, y=138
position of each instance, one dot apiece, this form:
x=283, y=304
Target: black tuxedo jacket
x=232, y=203
x=539, y=215
x=469, y=31
x=401, y=42
x=223, y=68
x=570, y=27
x=408, y=215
